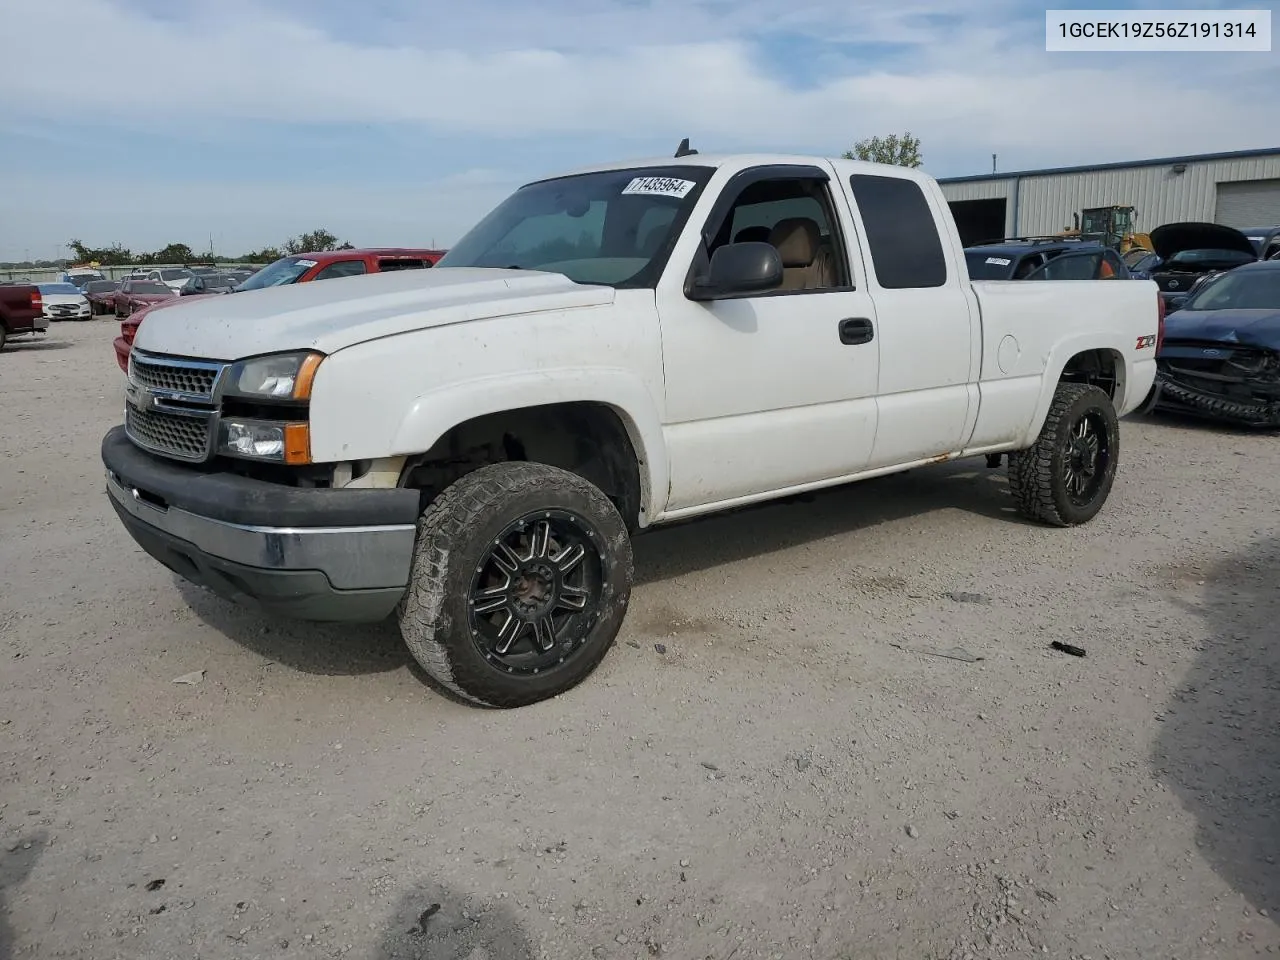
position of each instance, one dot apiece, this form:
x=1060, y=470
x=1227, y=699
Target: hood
x=328, y=315
x=150, y=297
x=52, y=298
x=1175, y=237
x=1259, y=328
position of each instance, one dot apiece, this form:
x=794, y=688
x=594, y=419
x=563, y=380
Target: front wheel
x=521, y=579
x=1066, y=476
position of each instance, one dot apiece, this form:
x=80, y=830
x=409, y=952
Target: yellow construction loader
x=1112, y=226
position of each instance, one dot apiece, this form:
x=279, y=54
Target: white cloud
x=488, y=71
x=642, y=77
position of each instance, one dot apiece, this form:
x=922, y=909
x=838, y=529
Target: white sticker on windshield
x=1255, y=239
x=999, y=261
x=659, y=187
x=305, y=263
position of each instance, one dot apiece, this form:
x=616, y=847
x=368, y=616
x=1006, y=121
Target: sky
x=401, y=122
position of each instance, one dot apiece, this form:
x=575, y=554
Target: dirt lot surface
x=766, y=765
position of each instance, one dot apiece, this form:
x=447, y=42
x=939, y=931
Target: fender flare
x=1057, y=361
x=435, y=413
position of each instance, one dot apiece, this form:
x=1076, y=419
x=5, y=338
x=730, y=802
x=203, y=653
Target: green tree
x=107, y=256
x=265, y=255
x=317, y=241
x=172, y=253
x=901, y=151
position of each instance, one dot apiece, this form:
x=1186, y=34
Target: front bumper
x=312, y=554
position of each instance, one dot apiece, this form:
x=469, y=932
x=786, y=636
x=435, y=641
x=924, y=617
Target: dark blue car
x=1220, y=356
x=1044, y=258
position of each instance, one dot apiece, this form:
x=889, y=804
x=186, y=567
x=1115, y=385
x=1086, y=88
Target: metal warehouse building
x=1238, y=189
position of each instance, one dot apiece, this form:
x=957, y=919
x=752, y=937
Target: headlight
x=282, y=376
x=265, y=440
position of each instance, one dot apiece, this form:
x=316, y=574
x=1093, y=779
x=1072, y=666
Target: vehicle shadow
x=1189, y=421
x=1219, y=746
x=688, y=547
x=326, y=649
x=435, y=923
x=36, y=346
x=699, y=544
x=15, y=866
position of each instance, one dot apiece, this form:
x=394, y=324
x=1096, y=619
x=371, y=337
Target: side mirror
x=737, y=270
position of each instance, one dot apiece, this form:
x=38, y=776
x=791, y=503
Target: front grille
x=186, y=437
x=187, y=377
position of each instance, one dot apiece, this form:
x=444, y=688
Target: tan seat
x=797, y=240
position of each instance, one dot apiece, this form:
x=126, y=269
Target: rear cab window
x=387, y=264
x=901, y=233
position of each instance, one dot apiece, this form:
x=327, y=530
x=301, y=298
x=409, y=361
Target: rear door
x=926, y=330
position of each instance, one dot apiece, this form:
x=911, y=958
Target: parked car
x=1140, y=267
x=21, y=311
x=1193, y=251
x=474, y=445
x=1030, y=258
x=80, y=276
x=175, y=278
x=1221, y=353
x=216, y=283
x=302, y=268
x=305, y=267
x=1265, y=240
x=101, y=295
x=136, y=294
x=64, y=301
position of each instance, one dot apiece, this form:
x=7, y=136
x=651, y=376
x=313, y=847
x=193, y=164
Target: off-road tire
x=455, y=534
x=1036, y=474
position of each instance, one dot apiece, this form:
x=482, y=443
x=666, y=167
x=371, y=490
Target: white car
x=472, y=447
x=176, y=279
x=64, y=301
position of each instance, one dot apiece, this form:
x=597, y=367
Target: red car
x=133, y=295
x=300, y=268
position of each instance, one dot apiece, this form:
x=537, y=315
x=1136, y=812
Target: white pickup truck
x=470, y=448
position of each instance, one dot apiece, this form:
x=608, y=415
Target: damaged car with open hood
x=1221, y=352
x=1192, y=252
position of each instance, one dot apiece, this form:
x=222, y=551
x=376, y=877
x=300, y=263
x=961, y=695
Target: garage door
x=1249, y=203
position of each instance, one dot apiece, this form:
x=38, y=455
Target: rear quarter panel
x=1031, y=330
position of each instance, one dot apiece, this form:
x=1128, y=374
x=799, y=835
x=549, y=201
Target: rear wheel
x=521, y=580
x=1066, y=476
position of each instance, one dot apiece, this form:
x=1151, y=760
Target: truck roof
x=323, y=255
x=742, y=160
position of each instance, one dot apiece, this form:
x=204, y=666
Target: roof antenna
x=684, y=150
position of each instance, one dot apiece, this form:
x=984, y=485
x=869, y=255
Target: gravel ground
x=768, y=764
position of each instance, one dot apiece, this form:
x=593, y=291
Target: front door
x=776, y=390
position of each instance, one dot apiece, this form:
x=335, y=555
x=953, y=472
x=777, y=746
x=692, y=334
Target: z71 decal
x=1146, y=342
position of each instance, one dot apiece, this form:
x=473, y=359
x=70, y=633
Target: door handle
x=855, y=330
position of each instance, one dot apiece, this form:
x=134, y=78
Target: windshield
x=1238, y=290
x=100, y=286
x=1210, y=256
x=58, y=288
x=285, y=270
x=614, y=228
x=987, y=266
x=148, y=288
x=175, y=274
